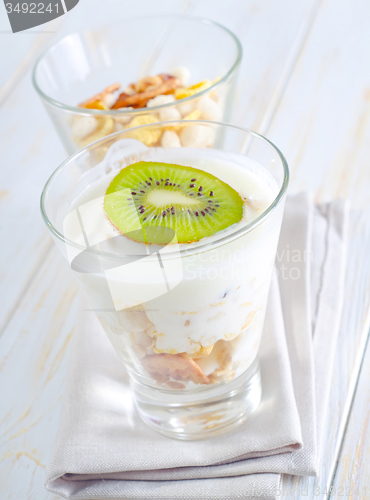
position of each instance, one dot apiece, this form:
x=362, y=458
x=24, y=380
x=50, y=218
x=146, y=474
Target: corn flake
x=147, y=137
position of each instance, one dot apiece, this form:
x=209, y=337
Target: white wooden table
x=305, y=83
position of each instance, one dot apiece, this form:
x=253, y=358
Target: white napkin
x=103, y=450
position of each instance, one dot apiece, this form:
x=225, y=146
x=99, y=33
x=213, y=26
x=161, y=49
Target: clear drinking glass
x=82, y=64
x=185, y=319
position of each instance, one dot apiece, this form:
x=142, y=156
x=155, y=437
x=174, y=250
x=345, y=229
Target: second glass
x=203, y=55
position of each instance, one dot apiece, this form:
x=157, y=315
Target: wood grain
x=353, y=470
x=271, y=33
x=33, y=366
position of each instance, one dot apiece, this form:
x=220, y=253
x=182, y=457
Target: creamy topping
x=218, y=295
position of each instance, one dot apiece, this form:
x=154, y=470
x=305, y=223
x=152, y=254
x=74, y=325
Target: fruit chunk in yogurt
x=207, y=328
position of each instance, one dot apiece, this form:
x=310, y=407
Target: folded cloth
x=103, y=450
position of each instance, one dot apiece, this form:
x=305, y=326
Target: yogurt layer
x=222, y=293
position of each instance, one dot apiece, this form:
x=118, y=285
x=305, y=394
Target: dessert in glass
x=137, y=71
x=174, y=249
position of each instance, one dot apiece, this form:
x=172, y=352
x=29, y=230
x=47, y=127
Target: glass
x=82, y=64
x=185, y=319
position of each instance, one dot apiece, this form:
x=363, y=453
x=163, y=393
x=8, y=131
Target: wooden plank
x=19, y=50
x=271, y=34
x=15, y=62
x=33, y=366
x=322, y=126
x=352, y=476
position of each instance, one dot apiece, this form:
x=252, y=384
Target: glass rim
x=139, y=111
x=183, y=251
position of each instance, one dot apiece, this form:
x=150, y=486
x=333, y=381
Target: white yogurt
x=215, y=310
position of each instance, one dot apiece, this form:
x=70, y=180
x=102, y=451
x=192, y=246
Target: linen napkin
x=103, y=450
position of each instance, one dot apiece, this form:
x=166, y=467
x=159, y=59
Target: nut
x=100, y=97
x=139, y=100
x=110, y=99
x=197, y=136
x=225, y=354
x=149, y=81
x=162, y=367
x=130, y=90
x=168, y=114
x=106, y=127
x=124, y=119
x=175, y=385
x=159, y=100
x=118, y=126
x=170, y=139
x=139, y=351
x=209, y=109
x=143, y=339
x=222, y=376
x=84, y=126
x=186, y=108
x=183, y=74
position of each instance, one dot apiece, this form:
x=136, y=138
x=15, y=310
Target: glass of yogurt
x=174, y=248
x=185, y=66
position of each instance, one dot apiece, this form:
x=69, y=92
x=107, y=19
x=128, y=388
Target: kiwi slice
x=147, y=200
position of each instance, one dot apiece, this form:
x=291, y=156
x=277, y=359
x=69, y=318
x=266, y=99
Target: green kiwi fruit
x=145, y=198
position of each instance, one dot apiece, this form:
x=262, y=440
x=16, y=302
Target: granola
x=165, y=91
